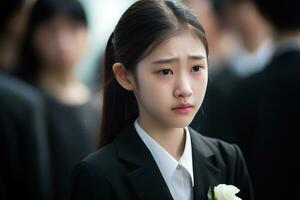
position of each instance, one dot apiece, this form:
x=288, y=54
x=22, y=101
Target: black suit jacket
x=125, y=169
x=24, y=166
x=212, y=118
x=266, y=117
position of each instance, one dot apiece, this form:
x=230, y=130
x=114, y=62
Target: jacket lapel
x=205, y=173
x=143, y=172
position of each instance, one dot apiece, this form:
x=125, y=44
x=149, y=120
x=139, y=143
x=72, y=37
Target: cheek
x=199, y=87
x=44, y=47
x=82, y=40
x=152, y=91
x=76, y=45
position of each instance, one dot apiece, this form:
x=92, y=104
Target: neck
x=171, y=139
x=64, y=77
x=253, y=40
x=63, y=86
x=282, y=36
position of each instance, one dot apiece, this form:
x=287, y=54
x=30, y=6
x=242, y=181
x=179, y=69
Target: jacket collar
x=205, y=173
x=144, y=175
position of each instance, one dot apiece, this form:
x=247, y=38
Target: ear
x=124, y=78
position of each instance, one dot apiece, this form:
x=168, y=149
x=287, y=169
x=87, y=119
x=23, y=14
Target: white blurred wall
x=102, y=15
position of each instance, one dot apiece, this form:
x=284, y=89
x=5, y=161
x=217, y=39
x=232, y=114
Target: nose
x=63, y=38
x=183, y=88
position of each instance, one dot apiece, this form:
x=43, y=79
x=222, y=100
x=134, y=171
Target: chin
x=181, y=123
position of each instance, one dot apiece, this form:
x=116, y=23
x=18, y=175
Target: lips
x=183, y=108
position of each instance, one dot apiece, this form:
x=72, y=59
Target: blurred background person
x=266, y=109
x=211, y=14
x=12, y=29
x=24, y=151
x=254, y=47
x=24, y=168
x=55, y=40
x=102, y=17
x=245, y=37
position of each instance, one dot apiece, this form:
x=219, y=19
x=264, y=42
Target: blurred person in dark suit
x=266, y=108
x=249, y=54
x=24, y=169
x=252, y=32
x=211, y=14
x=56, y=38
x=210, y=118
x=24, y=172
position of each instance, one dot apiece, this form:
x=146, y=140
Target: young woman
x=155, y=80
x=55, y=40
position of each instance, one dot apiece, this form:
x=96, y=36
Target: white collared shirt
x=245, y=63
x=178, y=175
x=290, y=43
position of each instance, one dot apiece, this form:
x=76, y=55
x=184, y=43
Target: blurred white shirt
x=290, y=43
x=245, y=63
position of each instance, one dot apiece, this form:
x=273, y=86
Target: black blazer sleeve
x=23, y=142
x=89, y=184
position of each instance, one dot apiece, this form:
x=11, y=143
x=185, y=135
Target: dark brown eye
x=196, y=68
x=165, y=72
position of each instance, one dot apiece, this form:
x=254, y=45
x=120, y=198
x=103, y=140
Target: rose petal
x=226, y=192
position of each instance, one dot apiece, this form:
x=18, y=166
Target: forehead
x=182, y=44
x=59, y=19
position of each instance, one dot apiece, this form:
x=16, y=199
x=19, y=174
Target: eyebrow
x=169, y=60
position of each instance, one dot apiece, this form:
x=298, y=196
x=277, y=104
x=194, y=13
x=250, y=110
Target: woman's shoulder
x=101, y=158
x=95, y=170
x=216, y=146
x=15, y=90
x=98, y=167
x=228, y=159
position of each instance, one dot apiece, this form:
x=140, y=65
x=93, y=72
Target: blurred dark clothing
x=72, y=136
x=125, y=169
x=266, y=116
x=212, y=118
x=24, y=168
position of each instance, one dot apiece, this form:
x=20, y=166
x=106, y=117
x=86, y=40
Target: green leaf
x=210, y=195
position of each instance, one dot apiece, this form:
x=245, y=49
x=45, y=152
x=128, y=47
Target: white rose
x=226, y=192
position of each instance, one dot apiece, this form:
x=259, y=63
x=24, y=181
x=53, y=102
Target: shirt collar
x=186, y=159
x=291, y=43
x=254, y=61
x=166, y=163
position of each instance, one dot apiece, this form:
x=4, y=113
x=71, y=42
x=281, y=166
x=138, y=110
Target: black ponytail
x=119, y=105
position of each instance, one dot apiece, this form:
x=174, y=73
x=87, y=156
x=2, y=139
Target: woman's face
x=59, y=42
x=170, y=82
